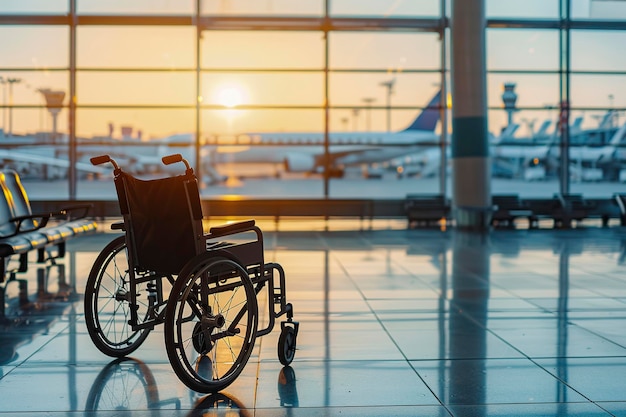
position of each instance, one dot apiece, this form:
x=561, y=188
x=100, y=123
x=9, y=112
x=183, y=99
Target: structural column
x=471, y=167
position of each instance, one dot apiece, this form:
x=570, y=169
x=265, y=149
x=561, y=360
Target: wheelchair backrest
x=163, y=219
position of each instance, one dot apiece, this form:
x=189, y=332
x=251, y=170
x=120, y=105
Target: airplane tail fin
x=429, y=117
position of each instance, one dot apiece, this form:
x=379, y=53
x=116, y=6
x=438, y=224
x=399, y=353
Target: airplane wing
x=45, y=160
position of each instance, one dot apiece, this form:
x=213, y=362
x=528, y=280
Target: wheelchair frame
x=211, y=315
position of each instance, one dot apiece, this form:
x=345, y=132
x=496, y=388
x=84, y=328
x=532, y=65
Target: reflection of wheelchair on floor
x=128, y=385
x=211, y=315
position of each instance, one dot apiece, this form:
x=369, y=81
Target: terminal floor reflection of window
x=393, y=322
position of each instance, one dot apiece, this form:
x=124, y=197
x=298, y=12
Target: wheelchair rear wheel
x=211, y=322
x=107, y=303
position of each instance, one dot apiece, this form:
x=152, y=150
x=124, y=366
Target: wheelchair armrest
x=118, y=226
x=231, y=228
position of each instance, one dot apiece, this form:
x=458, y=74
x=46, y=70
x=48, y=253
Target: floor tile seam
x=517, y=358
x=85, y=363
x=565, y=383
x=395, y=343
x=534, y=361
x=623, y=346
x=345, y=407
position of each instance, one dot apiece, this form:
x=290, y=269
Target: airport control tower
x=509, y=98
x=54, y=104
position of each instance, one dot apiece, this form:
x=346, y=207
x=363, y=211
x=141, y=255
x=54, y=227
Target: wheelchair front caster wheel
x=287, y=345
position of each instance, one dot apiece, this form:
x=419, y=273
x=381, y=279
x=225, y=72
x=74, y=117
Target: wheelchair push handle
x=172, y=159
x=103, y=159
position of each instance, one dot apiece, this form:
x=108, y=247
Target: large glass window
x=523, y=93
x=272, y=78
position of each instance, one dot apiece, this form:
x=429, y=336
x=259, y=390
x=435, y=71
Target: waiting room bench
x=426, y=209
x=22, y=232
x=508, y=207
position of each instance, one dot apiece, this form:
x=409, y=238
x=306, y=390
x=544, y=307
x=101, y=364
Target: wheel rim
x=108, y=308
x=213, y=323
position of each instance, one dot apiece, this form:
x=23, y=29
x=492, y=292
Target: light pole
x=355, y=119
x=611, y=97
x=11, y=81
x=344, y=122
x=389, y=86
x=368, y=101
x=530, y=123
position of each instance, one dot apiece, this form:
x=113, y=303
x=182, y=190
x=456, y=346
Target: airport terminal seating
x=23, y=232
x=508, y=208
x=568, y=208
x=562, y=211
x=426, y=209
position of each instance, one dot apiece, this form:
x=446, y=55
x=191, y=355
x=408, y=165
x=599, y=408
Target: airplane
x=529, y=158
x=304, y=152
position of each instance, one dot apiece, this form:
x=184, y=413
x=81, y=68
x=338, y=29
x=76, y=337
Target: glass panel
x=598, y=9
x=535, y=9
x=263, y=143
x=595, y=126
x=125, y=7
x=531, y=90
x=292, y=88
x=597, y=50
x=268, y=7
x=522, y=49
x=32, y=124
x=143, y=47
x=24, y=87
x=523, y=140
x=394, y=52
x=34, y=6
x=228, y=122
x=360, y=88
x=36, y=157
x=123, y=88
x=385, y=8
x=262, y=50
x=39, y=47
x=525, y=163
x=144, y=124
x=600, y=91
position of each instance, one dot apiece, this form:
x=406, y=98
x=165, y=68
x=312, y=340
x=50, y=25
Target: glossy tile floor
x=393, y=322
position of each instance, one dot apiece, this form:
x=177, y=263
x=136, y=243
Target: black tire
x=106, y=311
x=211, y=322
x=287, y=345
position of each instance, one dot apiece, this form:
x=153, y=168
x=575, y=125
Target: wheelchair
x=203, y=287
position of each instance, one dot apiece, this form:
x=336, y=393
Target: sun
x=230, y=96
